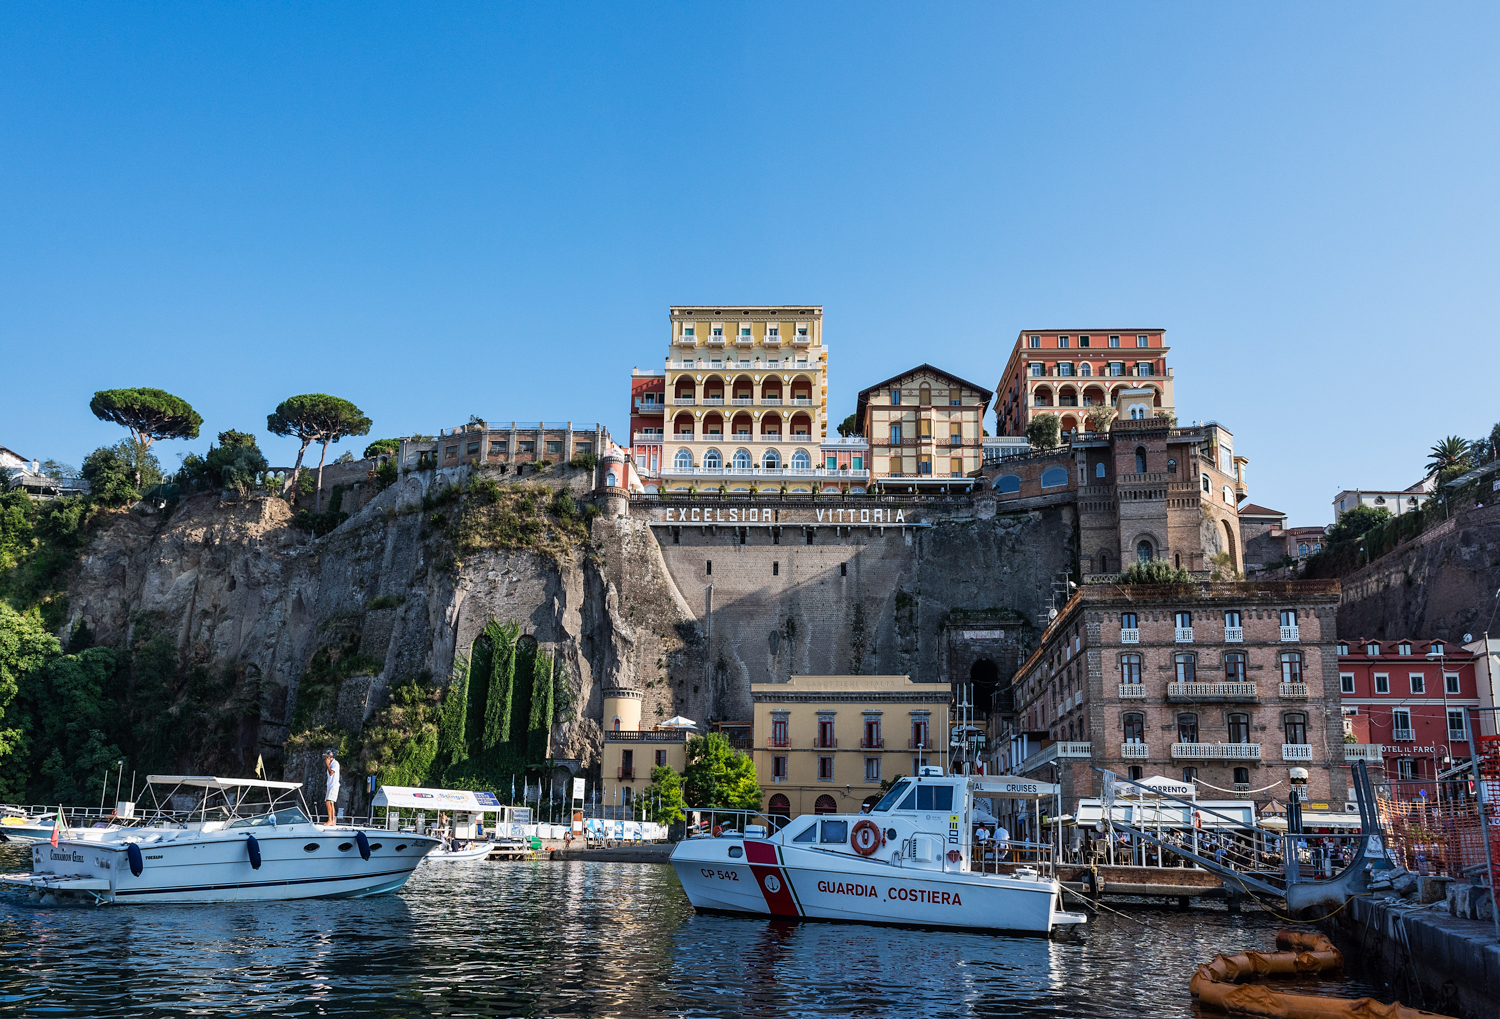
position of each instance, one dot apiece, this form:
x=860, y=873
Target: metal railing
x=1216, y=751
x=867, y=743
x=1211, y=691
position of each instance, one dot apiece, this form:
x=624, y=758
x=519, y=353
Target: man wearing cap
x=331, y=797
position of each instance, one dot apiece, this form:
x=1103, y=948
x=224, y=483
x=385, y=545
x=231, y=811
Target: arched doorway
x=780, y=805
x=983, y=677
x=825, y=805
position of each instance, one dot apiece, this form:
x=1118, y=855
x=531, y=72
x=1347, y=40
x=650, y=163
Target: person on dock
x=331, y=794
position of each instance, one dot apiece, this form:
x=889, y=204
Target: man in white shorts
x=331, y=797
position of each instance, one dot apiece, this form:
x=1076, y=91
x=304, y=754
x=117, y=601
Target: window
x=1128, y=621
x=825, y=732
x=451, y=451
x=1171, y=466
x=924, y=464
x=1406, y=768
x=1008, y=484
x=1239, y=727
x=1346, y=682
x=1418, y=682
x=776, y=569
x=687, y=331
x=1372, y=649
x=554, y=448
x=831, y=463
x=1054, y=477
x=808, y=834
x=1207, y=485
x=683, y=460
x=1190, y=774
x=1382, y=683
x=1086, y=370
x=1183, y=620
x=708, y=567
x=1343, y=648
x=924, y=428
x=825, y=769
x=895, y=397
x=895, y=435
x=1296, y=727
x=1401, y=722
x=1116, y=368
x=1035, y=341
x=1036, y=370
x=1140, y=459
x=1114, y=341
x=771, y=460
x=1291, y=667
x=1186, y=668
x=835, y=833
x=1234, y=667
x=1130, y=669
x=924, y=395
x=1137, y=773
x=956, y=466
x=1241, y=776
x=1099, y=469
x=1232, y=619
x=1066, y=368
x=1288, y=617
x=1436, y=649
x=713, y=460
x=742, y=459
x=1143, y=551
x=661, y=758
x=1187, y=728
x=473, y=449
x=800, y=460
x=955, y=438
x=1083, y=341
x=1141, y=341
x=872, y=769
x=1456, y=729
x=1450, y=682
x=497, y=447
x=857, y=464
x=1135, y=727
x=1403, y=648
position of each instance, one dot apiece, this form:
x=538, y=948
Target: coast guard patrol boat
x=911, y=861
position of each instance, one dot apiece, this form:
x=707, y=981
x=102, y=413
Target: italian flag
x=58, y=825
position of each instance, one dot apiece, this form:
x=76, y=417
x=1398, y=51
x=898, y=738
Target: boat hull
x=192, y=867
x=785, y=882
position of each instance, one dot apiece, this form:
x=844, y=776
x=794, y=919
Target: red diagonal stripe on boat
x=772, y=879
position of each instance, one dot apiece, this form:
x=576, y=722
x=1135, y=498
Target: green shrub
x=1155, y=571
x=385, y=601
x=584, y=461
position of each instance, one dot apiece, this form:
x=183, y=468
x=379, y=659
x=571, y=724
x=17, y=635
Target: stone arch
x=825, y=805
x=984, y=678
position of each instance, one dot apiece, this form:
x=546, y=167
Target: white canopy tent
x=1150, y=813
x=466, y=808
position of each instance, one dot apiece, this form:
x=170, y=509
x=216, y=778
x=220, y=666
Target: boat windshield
x=889, y=800
x=290, y=815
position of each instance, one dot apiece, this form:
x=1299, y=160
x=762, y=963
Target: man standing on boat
x=331, y=797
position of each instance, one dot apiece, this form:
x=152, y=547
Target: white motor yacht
x=457, y=851
x=907, y=862
x=242, y=840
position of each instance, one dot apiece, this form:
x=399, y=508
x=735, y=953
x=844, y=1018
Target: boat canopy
x=213, y=782
x=1161, y=814
x=1010, y=787
x=436, y=799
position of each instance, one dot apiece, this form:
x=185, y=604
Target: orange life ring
x=866, y=837
x=718, y=830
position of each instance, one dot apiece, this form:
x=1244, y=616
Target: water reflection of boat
x=907, y=862
x=243, y=840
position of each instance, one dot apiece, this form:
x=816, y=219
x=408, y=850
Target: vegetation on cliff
x=488, y=516
x=149, y=414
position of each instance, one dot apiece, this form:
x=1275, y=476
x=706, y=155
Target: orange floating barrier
x=1302, y=954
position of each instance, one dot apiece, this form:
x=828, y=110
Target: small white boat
x=907, y=862
x=459, y=851
x=233, y=850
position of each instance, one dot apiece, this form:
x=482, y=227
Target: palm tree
x=1451, y=452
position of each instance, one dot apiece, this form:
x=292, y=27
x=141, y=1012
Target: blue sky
x=445, y=210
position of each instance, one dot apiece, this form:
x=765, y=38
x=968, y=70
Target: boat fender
x=133, y=854
x=252, y=844
x=363, y=843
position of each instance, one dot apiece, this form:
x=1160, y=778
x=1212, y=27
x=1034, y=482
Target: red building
x=648, y=404
x=1408, y=702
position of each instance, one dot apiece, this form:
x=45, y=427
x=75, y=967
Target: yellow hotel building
x=926, y=430
x=746, y=401
x=823, y=744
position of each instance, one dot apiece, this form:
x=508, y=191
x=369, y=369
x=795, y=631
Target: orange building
x=1074, y=372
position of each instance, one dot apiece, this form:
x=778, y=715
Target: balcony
x=716, y=340
x=742, y=401
x=649, y=437
x=872, y=744
x=684, y=401
x=744, y=340
x=924, y=743
x=772, y=340
x=1290, y=633
x=1372, y=752
x=801, y=340
x=1404, y=735
x=645, y=735
x=1294, y=691
x=1234, y=634
x=713, y=401
x=762, y=472
x=1132, y=691
x=625, y=774
x=1135, y=751
x=819, y=743
x=1216, y=751
x=802, y=401
x=770, y=401
x=1183, y=634
x=778, y=742
x=1131, y=635
x=1296, y=751
x=650, y=407
x=1211, y=691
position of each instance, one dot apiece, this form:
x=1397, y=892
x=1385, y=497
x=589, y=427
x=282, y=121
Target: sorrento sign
x=882, y=515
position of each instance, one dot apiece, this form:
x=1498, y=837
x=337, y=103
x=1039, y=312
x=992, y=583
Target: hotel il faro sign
x=756, y=515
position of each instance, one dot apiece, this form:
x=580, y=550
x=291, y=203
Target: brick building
x=1144, y=490
x=925, y=428
x=1071, y=373
x=1226, y=685
x=1407, y=703
x=503, y=445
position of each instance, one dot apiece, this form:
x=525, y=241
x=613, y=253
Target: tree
x=233, y=463
x=1042, y=431
x=848, y=427
x=1449, y=458
x=1156, y=571
x=149, y=414
x=663, y=797
x=386, y=447
x=60, y=471
x=718, y=775
x=115, y=472
x=1099, y=418
x=25, y=646
x=1354, y=523
x=316, y=417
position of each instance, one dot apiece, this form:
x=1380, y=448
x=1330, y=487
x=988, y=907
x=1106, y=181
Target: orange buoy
x=1260, y=1000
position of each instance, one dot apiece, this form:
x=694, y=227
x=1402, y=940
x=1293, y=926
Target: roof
x=859, y=410
x=435, y=799
x=1250, y=509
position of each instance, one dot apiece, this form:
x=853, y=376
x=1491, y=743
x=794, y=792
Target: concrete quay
x=651, y=852
x=1429, y=958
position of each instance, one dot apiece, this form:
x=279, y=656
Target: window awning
x=435, y=799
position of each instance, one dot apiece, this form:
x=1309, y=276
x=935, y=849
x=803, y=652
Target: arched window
x=1296, y=727
x=1143, y=551
x=825, y=805
x=713, y=460
x=1008, y=484
x=1135, y=727
x=683, y=460
x=1177, y=560
x=1103, y=561
x=742, y=459
x=771, y=460
x=800, y=460
x=1301, y=550
x=1130, y=669
x=1207, y=485
x=1187, y=728
x=1140, y=459
x=1171, y=466
x=1099, y=469
x=924, y=395
x=1187, y=668
x=1137, y=413
x=1054, y=477
x=1291, y=666
x=1234, y=667
x=1241, y=776
x=780, y=805
x=1239, y=727
x=1086, y=369
x=617, y=723
x=610, y=481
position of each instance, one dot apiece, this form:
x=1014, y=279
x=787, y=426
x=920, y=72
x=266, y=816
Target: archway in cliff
x=984, y=677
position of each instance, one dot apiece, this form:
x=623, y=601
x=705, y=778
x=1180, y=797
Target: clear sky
x=453, y=209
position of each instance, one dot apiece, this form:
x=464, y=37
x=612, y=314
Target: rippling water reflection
x=579, y=939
